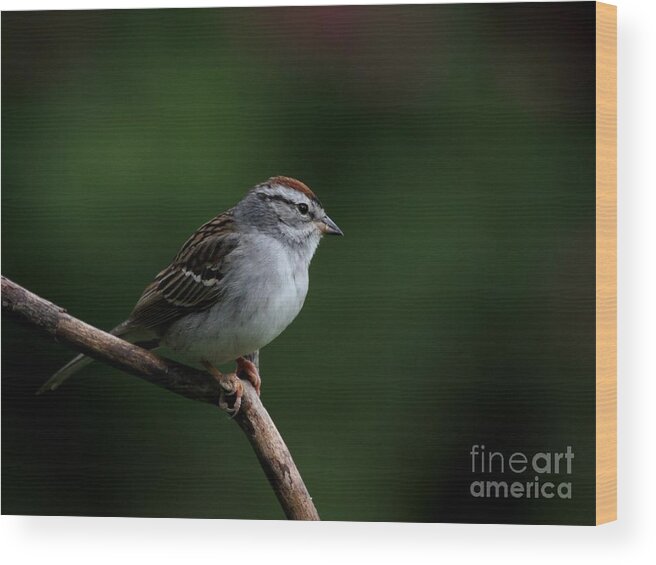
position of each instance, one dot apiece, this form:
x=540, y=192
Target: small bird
x=233, y=287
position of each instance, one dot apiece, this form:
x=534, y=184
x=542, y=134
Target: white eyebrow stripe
x=279, y=191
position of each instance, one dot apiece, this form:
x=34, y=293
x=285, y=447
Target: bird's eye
x=303, y=208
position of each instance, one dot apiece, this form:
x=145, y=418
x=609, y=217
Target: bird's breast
x=264, y=291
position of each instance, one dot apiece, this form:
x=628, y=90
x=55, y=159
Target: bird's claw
x=248, y=370
x=230, y=386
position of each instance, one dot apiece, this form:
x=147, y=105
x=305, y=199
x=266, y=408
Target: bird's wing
x=193, y=281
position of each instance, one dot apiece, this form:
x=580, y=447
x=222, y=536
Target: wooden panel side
x=606, y=255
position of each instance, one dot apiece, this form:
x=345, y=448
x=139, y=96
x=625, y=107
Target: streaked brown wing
x=193, y=281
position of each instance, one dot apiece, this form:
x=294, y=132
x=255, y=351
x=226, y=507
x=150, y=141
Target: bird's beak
x=328, y=227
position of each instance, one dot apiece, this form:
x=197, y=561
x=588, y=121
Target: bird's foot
x=230, y=386
x=248, y=370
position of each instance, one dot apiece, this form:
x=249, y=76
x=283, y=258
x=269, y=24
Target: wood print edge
x=606, y=260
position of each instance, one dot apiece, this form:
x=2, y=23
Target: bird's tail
x=123, y=330
x=72, y=367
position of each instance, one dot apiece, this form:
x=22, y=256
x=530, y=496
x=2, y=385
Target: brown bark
x=252, y=418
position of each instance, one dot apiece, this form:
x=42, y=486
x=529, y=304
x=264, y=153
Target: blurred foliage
x=453, y=144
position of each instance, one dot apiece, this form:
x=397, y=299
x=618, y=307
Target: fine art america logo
x=548, y=474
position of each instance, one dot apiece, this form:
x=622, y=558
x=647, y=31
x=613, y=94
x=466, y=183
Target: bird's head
x=285, y=208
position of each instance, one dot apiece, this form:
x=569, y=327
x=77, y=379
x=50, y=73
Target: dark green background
x=454, y=145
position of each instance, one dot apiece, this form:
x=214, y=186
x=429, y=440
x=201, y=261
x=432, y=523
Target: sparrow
x=233, y=287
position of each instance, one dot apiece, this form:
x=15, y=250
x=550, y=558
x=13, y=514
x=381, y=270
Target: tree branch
x=252, y=418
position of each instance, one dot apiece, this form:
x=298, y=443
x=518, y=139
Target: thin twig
x=252, y=418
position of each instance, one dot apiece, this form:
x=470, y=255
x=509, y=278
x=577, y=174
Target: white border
x=69, y=541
